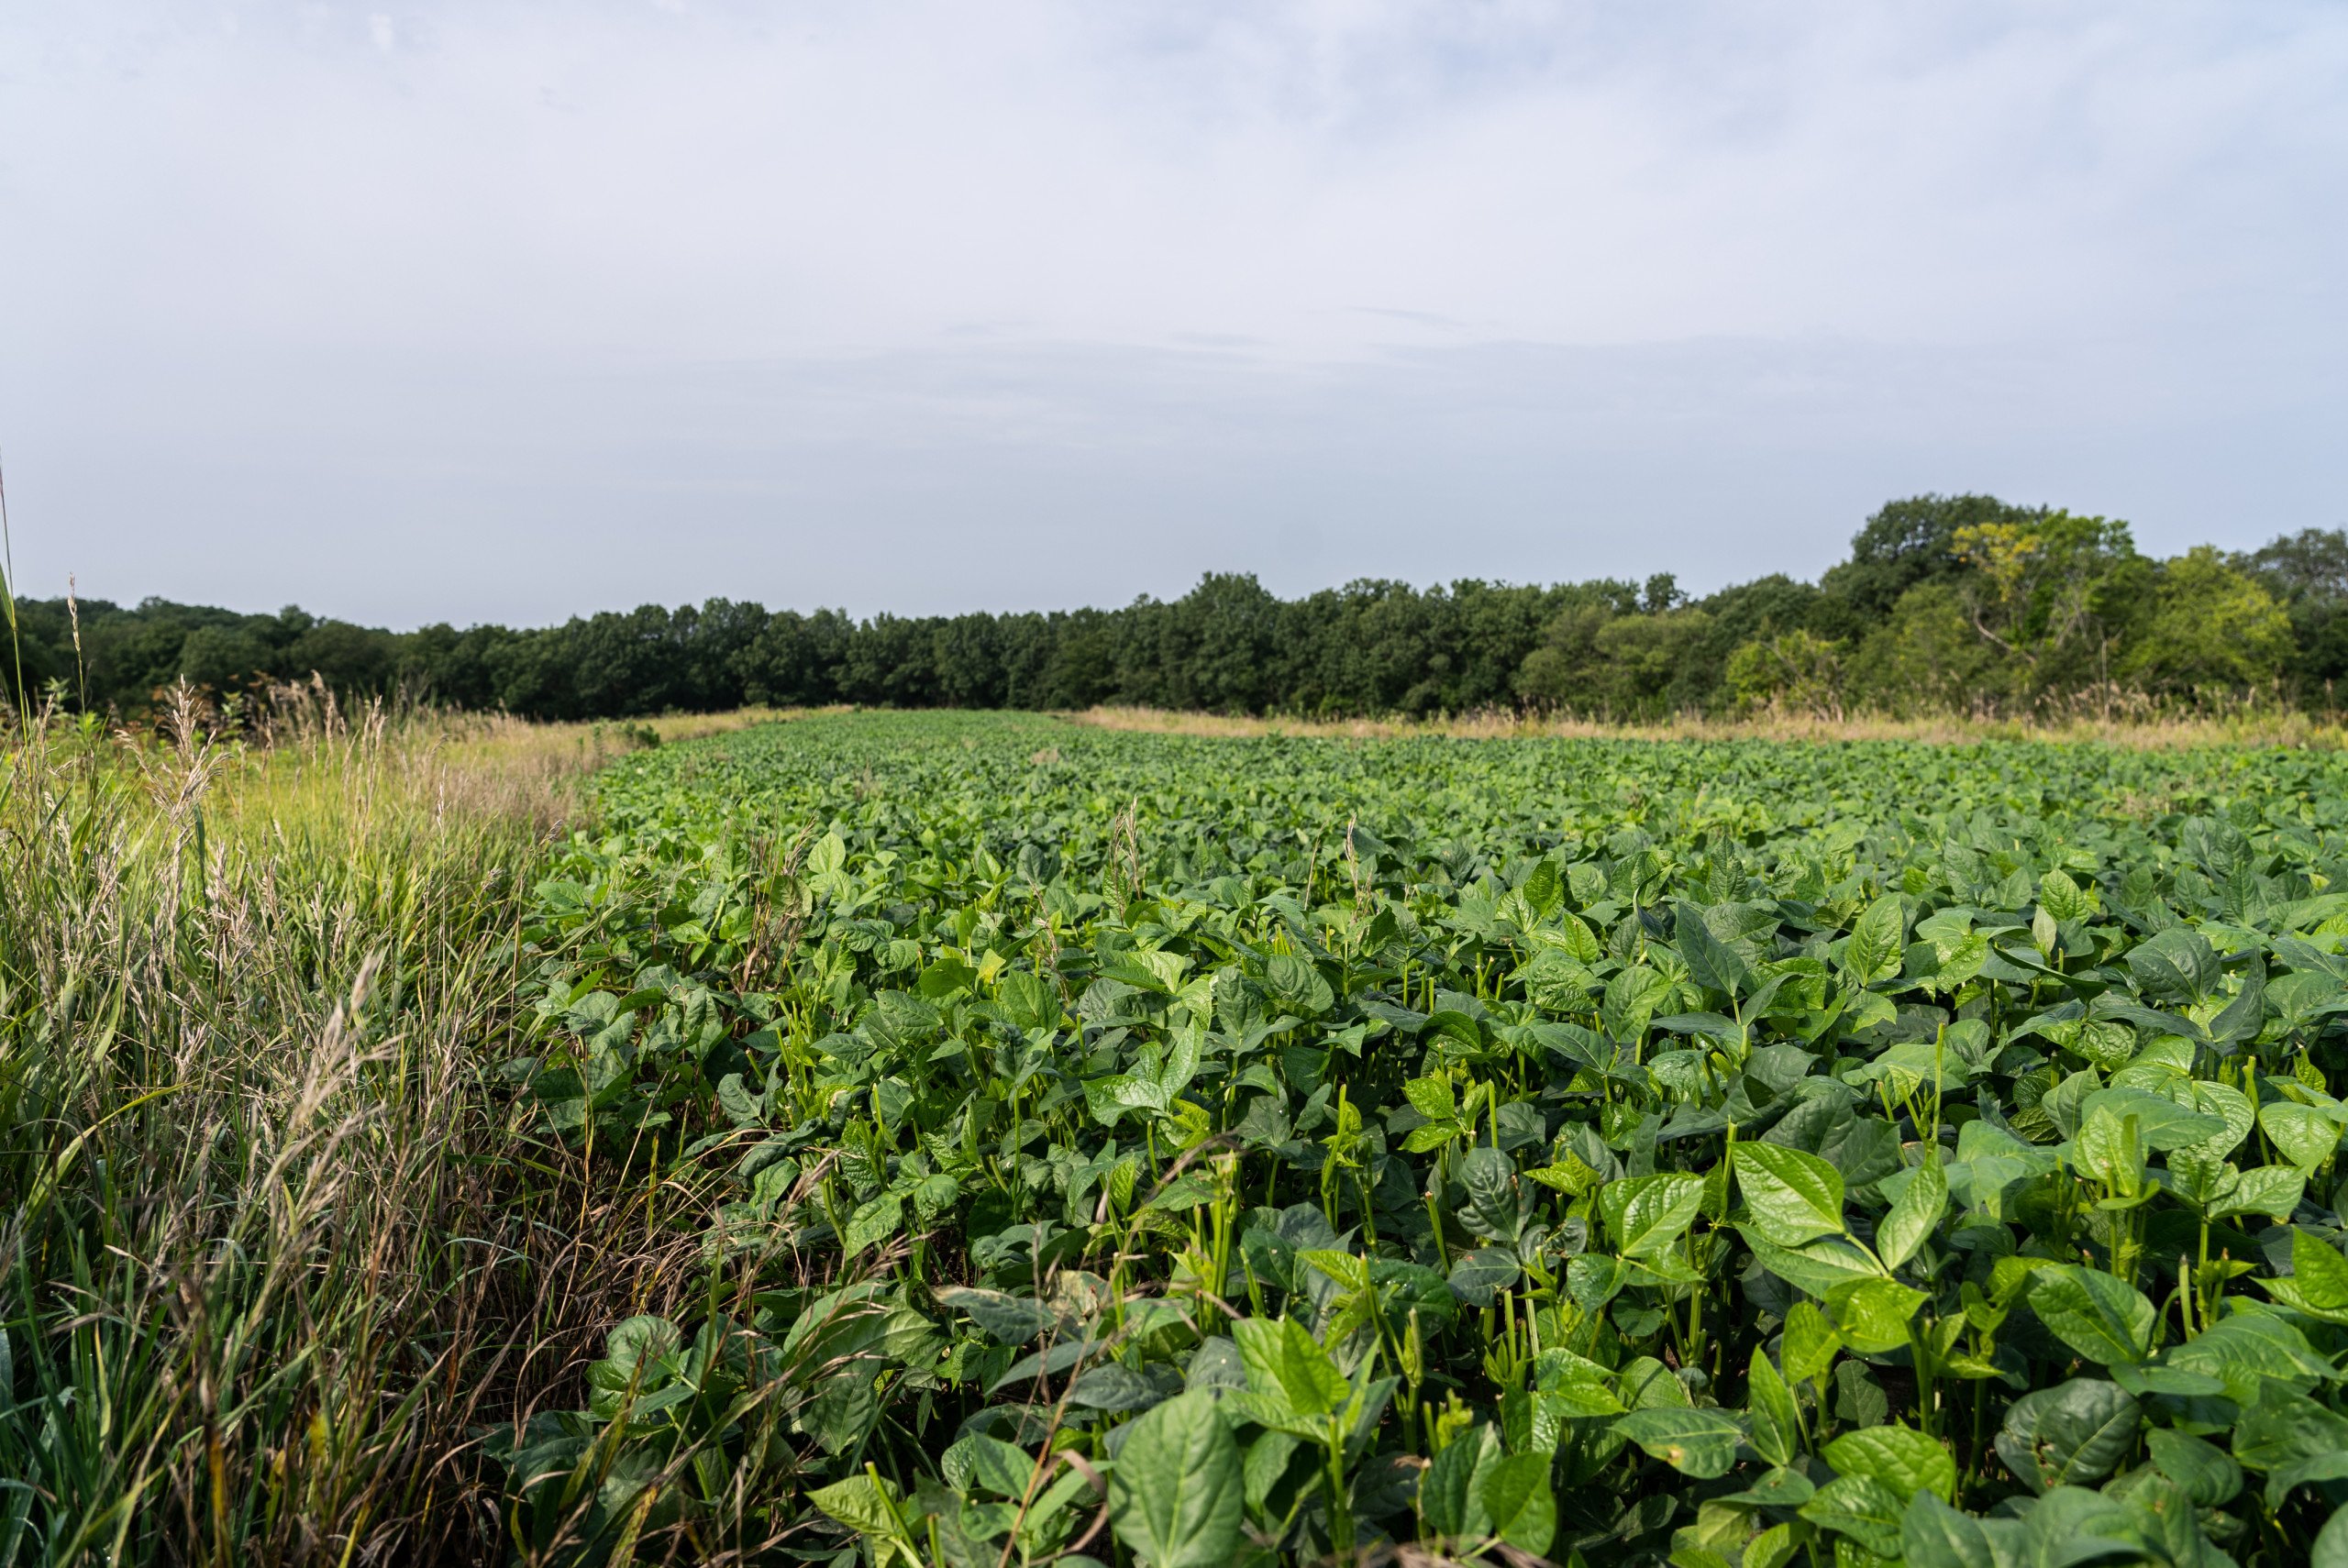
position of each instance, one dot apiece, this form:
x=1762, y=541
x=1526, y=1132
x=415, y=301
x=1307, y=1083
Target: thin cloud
x=1514, y=289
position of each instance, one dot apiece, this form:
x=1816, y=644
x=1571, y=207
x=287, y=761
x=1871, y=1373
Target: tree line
x=1962, y=604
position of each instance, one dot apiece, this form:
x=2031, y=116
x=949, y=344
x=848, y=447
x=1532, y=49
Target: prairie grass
x=2132, y=726
x=275, y=1247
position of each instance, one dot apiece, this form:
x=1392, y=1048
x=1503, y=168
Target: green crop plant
x=1291, y=1150
x=907, y=1139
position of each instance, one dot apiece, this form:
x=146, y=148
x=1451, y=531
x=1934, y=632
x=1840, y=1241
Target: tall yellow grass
x=2275, y=727
x=277, y=1243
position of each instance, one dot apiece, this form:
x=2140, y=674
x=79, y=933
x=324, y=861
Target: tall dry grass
x=2145, y=727
x=275, y=1245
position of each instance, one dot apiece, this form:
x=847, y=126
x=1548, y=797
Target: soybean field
x=1116, y=1148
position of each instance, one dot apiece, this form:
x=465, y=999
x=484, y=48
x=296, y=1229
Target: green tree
x=1797, y=671
x=1907, y=542
x=2040, y=590
x=1928, y=658
x=224, y=658
x=2210, y=624
x=2308, y=571
x=1563, y=673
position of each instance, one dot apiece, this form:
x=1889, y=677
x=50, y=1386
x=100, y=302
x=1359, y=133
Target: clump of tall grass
x=274, y=1245
x=2129, y=719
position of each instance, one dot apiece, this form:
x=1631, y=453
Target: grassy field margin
x=2147, y=729
x=274, y=1246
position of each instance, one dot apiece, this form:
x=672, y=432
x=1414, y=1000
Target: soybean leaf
x=1902, y=1459
x=1008, y=1320
x=1871, y=1316
x=1913, y=1215
x=2074, y=1433
x=1790, y=1196
x=1934, y=1535
x=1715, y=964
x=2103, y=1318
x=1770, y=1405
x=1647, y=1214
x=1284, y=1360
x=2306, y=1136
x=1176, y=1494
x=1702, y=1443
x=2174, y=965
x=1861, y=1508
x=1517, y=1500
x=1875, y=950
x=2319, y=1282
x=1451, y=1497
x=2207, y=1473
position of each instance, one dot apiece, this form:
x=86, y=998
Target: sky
x=496, y=311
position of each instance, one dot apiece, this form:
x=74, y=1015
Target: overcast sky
x=501, y=310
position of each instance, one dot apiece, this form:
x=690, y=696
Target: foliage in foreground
x=272, y=1244
x=1183, y=1152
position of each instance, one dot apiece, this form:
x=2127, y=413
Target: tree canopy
x=1963, y=603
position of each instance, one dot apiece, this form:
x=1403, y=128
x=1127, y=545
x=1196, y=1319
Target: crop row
x=1196, y=1152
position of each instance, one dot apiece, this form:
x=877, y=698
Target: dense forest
x=1946, y=603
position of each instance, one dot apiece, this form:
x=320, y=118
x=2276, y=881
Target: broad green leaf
x=1592, y=1280
x=1913, y=1215
x=1818, y=1267
x=2245, y=1350
x=2306, y=1136
x=2161, y=1123
x=1647, y=1214
x=2296, y=1441
x=1517, y=1500
x=1715, y=964
x=1775, y=1488
x=2331, y=1548
x=2110, y=1150
x=1283, y=1361
x=2071, y=1525
x=1773, y=1548
x=1350, y=1270
x=1770, y=1407
x=2272, y=1190
x=1861, y=1508
x=1876, y=948
x=1544, y=887
x=2319, y=1281
x=2063, y=898
x=1491, y=1210
x=1810, y=1344
x=1432, y=1097
x=1008, y=1320
x=1872, y=1315
x=1900, y=1457
x=2073, y=1434
x=1934, y=1535
x=1111, y=1098
x=1702, y=1443
x=2174, y=965
x=635, y=1343
x=874, y=1222
x=2207, y=1473
x=1175, y=1493
x=1478, y=1276
x=2239, y=1022
x=861, y=1506
x=1790, y=1196
x=989, y=1463
x=2103, y=1318
x=1451, y=1497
